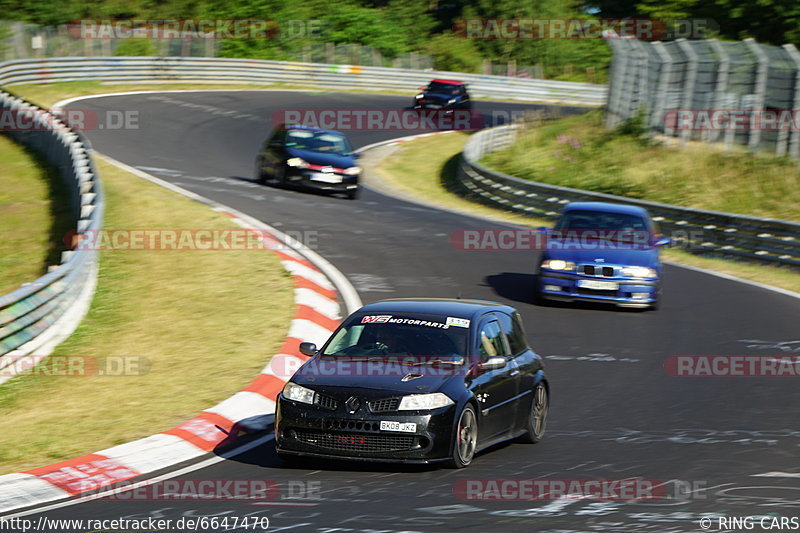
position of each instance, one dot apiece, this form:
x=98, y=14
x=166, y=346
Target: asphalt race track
x=615, y=412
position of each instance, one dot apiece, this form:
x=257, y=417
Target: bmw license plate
x=405, y=427
x=598, y=285
x=327, y=178
x=434, y=106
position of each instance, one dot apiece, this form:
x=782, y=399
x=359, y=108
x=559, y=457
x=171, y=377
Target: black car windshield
x=600, y=220
x=421, y=336
x=439, y=87
x=318, y=141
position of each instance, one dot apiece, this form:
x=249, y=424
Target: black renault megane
x=417, y=381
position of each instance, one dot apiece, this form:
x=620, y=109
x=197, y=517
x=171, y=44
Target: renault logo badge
x=352, y=404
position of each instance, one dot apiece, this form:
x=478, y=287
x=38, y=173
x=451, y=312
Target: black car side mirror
x=493, y=363
x=275, y=144
x=308, y=348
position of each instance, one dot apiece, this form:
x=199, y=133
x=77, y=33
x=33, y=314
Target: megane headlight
x=297, y=393
x=419, y=402
x=558, y=264
x=297, y=162
x=639, y=272
x=353, y=171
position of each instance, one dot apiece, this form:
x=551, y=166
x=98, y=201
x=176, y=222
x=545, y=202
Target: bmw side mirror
x=355, y=155
x=308, y=348
x=663, y=241
x=493, y=363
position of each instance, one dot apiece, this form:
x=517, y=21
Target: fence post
x=754, y=137
x=794, y=142
x=659, y=110
x=689, y=82
x=723, y=71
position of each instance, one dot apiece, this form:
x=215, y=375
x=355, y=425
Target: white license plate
x=434, y=106
x=598, y=285
x=327, y=178
x=405, y=427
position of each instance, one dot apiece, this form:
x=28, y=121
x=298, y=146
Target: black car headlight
x=298, y=393
x=419, y=96
x=639, y=272
x=423, y=402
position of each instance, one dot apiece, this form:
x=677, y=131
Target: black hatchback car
x=445, y=95
x=417, y=381
x=314, y=158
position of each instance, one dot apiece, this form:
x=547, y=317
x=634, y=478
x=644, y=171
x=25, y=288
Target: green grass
x=207, y=322
x=425, y=168
x=579, y=152
x=33, y=216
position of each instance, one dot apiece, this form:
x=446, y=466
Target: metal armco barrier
x=36, y=316
x=311, y=75
x=707, y=232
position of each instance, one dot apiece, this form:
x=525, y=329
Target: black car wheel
x=261, y=176
x=537, y=418
x=466, y=438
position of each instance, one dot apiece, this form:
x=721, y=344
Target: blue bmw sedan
x=602, y=252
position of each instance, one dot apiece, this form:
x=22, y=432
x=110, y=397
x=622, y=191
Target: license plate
x=405, y=427
x=597, y=285
x=327, y=178
x=434, y=106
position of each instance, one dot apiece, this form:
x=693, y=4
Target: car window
x=318, y=141
x=415, y=335
x=600, y=220
x=512, y=326
x=491, y=341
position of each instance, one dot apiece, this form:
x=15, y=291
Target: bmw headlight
x=419, y=402
x=353, y=171
x=297, y=162
x=558, y=264
x=297, y=393
x=451, y=101
x=639, y=272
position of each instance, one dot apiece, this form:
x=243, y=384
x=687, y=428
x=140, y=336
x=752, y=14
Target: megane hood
x=322, y=158
x=386, y=375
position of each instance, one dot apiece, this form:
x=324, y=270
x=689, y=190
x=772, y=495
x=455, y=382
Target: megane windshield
x=419, y=336
x=317, y=141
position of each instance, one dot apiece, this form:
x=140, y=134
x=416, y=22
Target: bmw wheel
x=466, y=438
x=537, y=418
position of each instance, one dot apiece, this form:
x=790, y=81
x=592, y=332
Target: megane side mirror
x=493, y=363
x=308, y=348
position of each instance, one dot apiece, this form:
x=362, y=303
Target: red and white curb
x=318, y=286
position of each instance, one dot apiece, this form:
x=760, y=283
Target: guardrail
x=708, y=232
x=312, y=75
x=35, y=317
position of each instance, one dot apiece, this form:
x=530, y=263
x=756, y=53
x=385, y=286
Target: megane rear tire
x=466, y=438
x=537, y=418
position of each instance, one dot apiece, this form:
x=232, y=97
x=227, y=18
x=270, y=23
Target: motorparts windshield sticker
x=458, y=322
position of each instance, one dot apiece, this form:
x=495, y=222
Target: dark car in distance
x=445, y=95
x=311, y=158
x=415, y=381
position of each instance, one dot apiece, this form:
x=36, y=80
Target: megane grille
x=326, y=402
x=382, y=406
x=356, y=442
